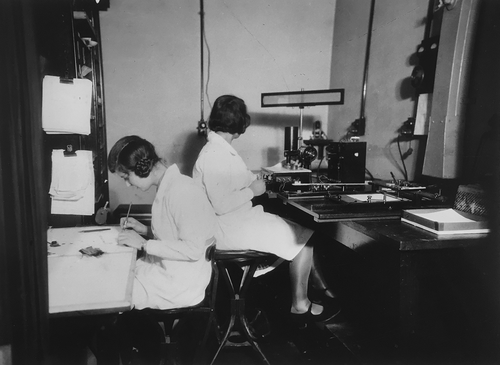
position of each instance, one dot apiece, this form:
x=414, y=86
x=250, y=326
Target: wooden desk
x=435, y=290
x=81, y=284
x=402, y=236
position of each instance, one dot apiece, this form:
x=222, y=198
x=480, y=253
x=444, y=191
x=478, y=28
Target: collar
x=219, y=141
x=168, y=177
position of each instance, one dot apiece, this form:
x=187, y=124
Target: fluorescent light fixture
x=303, y=98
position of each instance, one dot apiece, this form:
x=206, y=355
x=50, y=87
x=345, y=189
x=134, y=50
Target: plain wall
x=152, y=67
x=398, y=28
x=152, y=63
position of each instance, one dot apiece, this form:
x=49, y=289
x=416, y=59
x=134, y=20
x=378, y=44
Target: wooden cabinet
x=71, y=48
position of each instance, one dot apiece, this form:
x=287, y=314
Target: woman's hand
x=132, y=223
x=258, y=187
x=130, y=238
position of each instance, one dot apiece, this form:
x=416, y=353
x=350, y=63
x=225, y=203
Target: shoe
x=329, y=302
x=318, y=295
x=303, y=318
x=331, y=307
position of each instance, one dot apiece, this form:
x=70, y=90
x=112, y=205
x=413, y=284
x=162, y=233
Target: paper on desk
x=444, y=216
x=72, y=187
x=375, y=197
x=279, y=168
x=66, y=106
x=72, y=240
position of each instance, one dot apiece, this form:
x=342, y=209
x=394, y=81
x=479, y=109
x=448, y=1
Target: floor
x=345, y=340
x=366, y=330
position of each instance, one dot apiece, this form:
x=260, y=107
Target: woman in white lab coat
x=230, y=187
x=173, y=271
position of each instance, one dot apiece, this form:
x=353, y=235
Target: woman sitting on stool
x=173, y=271
x=230, y=187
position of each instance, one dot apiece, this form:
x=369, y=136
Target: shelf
x=83, y=25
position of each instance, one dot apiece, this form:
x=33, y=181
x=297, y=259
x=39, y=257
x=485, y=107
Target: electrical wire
x=402, y=159
x=367, y=172
x=202, y=31
x=203, y=85
x=319, y=166
x=208, y=68
x=324, y=179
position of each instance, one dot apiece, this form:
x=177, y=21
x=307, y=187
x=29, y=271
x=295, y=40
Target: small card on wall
x=66, y=105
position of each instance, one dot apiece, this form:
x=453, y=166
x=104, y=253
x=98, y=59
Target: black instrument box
x=346, y=161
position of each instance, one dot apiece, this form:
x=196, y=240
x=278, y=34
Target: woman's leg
x=300, y=269
x=318, y=280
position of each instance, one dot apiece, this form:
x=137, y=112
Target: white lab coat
x=174, y=272
x=225, y=177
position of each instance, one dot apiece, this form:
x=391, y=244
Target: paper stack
x=443, y=221
x=66, y=106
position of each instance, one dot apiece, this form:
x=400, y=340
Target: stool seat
x=249, y=261
x=243, y=256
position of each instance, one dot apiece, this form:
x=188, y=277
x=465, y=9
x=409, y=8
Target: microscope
x=318, y=139
x=295, y=156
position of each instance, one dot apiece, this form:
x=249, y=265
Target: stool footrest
x=238, y=307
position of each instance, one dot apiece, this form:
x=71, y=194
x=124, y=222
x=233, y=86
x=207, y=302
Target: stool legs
x=238, y=308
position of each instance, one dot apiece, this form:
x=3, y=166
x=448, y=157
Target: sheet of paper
x=72, y=240
x=66, y=106
x=374, y=197
x=72, y=188
x=278, y=168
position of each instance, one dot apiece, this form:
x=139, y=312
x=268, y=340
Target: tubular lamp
x=302, y=98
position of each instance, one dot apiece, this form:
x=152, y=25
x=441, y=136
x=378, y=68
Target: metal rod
x=202, y=32
x=301, y=124
x=367, y=61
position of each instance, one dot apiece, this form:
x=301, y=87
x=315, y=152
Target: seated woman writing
x=173, y=271
x=230, y=187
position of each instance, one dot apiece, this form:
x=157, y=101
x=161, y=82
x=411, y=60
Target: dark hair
x=132, y=153
x=229, y=114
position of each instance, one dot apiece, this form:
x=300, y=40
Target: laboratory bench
x=427, y=297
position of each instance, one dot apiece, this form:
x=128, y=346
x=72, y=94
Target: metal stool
x=206, y=308
x=249, y=261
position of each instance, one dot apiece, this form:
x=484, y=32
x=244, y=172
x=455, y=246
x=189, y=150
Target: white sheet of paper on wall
x=66, y=106
x=72, y=188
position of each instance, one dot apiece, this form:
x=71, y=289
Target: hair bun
x=143, y=167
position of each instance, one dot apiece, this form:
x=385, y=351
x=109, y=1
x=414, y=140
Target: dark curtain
x=23, y=203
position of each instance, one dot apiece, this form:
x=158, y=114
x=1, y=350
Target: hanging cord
x=358, y=127
x=367, y=62
x=202, y=125
x=202, y=27
x=319, y=167
x=402, y=159
x=208, y=68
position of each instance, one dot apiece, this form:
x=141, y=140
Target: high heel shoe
x=320, y=296
x=303, y=318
